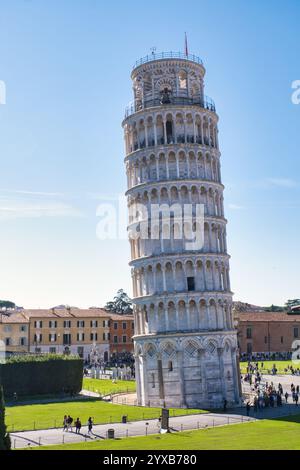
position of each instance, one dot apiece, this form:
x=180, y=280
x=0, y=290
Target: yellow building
x=69, y=330
x=14, y=331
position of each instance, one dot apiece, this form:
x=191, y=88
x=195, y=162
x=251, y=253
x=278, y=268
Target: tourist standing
x=78, y=425
x=286, y=396
x=90, y=425
x=65, y=424
x=69, y=422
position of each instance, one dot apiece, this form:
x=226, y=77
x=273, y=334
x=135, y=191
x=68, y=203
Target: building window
x=94, y=336
x=52, y=350
x=115, y=339
x=132, y=326
x=124, y=339
x=23, y=328
x=249, y=348
x=94, y=324
x=281, y=339
x=38, y=324
x=38, y=338
x=266, y=339
x=249, y=333
x=182, y=79
x=67, y=324
x=80, y=336
x=115, y=326
x=7, y=342
x=191, y=283
x=67, y=339
x=52, y=338
x=296, y=332
x=170, y=366
x=23, y=341
x=80, y=324
x=124, y=326
x=52, y=324
x=80, y=351
x=7, y=328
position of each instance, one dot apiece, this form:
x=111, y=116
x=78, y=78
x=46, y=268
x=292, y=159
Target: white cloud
x=31, y=193
x=235, y=207
x=14, y=209
x=280, y=182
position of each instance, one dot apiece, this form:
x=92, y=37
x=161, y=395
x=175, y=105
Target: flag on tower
x=186, y=51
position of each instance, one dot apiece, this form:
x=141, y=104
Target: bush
x=41, y=375
x=5, y=443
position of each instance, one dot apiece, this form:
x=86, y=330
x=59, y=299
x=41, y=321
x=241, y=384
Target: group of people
x=268, y=396
x=68, y=424
x=292, y=370
x=283, y=356
x=255, y=367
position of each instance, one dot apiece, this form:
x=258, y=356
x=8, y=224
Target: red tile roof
x=14, y=317
x=267, y=316
x=64, y=313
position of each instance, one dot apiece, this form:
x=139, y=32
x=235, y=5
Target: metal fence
x=167, y=55
x=149, y=428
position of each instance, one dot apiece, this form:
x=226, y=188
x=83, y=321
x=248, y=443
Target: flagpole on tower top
x=186, y=50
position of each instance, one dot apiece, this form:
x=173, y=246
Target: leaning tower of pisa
x=185, y=342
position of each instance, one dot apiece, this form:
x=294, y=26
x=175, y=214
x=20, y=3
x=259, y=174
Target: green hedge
x=41, y=375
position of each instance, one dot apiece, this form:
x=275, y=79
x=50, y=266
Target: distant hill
x=245, y=307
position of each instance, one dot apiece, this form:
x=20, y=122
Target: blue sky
x=66, y=65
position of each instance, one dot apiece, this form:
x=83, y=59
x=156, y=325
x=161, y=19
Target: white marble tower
x=185, y=342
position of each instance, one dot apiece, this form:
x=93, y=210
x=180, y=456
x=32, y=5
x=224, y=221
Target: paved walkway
x=135, y=428
x=145, y=427
x=141, y=428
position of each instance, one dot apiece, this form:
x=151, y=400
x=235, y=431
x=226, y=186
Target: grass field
x=106, y=386
x=268, y=365
x=279, y=434
x=49, y=415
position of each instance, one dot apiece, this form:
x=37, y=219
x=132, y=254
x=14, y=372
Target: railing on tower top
x=135, y=106
x=167, y=55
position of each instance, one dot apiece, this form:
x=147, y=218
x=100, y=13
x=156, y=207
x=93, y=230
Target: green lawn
x=106, y=386
x=48, y=415
x=268, y=365
x=279, y=434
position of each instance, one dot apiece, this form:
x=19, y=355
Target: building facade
x=14, y=332
x=70, y=330
x=121, y=334
x=267, y=333
x=185, y=342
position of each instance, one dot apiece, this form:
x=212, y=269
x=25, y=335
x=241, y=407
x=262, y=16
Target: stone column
x=235, y=378
x=180, y=365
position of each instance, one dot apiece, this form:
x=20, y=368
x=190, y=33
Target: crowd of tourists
x=68, y=424
x=267, y=394
x=256, y=367
x=279, y=356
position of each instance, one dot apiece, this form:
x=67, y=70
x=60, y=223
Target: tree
x=292, y=303
x=120, y=304
x=5, y=443
x=7, y=304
